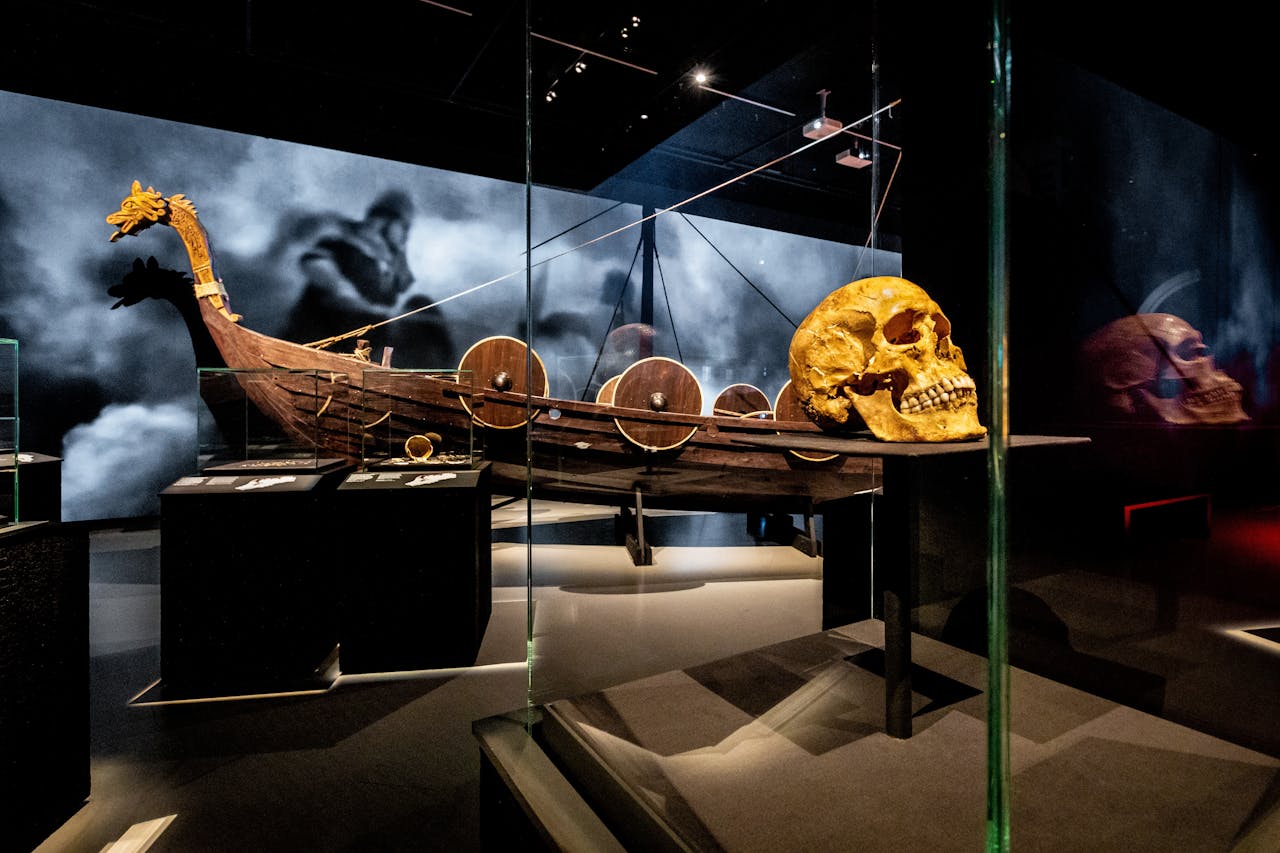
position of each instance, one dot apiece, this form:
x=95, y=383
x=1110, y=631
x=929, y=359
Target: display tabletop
x=25, y=458
x=10, y=531
x=864, y=445
x=231, y=484
x=422, y=478
x=277, y=466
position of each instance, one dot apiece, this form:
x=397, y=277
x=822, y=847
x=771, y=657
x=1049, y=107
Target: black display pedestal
x=44, y=679
x=896, y=568
x=246, y=586
x=415, y=578
x=39, y=486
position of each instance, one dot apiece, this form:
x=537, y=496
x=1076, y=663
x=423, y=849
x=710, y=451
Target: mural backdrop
x=312, y=242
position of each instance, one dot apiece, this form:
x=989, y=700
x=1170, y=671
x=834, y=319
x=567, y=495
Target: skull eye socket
x=1191, y=349
x=901, y=329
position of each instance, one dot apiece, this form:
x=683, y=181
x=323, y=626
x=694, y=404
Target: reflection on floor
x=784, y=749
x=388, y=762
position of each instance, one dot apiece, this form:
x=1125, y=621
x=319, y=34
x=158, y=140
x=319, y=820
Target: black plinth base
x=39, y=487
x=44, y=679
x=246, y=589
x=415, y=577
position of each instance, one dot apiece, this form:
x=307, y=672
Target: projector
x=852, y=159
x=821, y=126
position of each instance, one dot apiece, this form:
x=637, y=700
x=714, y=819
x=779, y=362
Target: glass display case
x=681, y=490
x=719, y=201
x=10, y=458
x=716, y=201
x=417, y=419
x=276, y=419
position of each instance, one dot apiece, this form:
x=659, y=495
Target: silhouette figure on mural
x=357, y=273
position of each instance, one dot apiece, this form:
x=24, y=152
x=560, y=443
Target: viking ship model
x=644, y=437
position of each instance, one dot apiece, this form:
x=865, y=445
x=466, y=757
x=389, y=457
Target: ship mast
x=648, y=248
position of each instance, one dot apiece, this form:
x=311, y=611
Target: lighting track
x=590, y=52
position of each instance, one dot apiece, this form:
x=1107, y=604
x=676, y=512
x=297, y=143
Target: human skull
x=882, y=347
x=1156, y=367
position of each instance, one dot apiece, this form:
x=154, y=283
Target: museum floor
x=390, y=762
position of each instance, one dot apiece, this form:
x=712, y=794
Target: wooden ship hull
x=581, y=451
x=645, y=439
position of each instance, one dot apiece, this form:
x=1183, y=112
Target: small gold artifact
x=418, y=448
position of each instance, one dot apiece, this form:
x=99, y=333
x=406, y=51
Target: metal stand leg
x=898, y=532
x=631, y=526
x=809, y=543
x=777, y=527
x=897, y=664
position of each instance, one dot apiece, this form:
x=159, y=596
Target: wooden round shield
x=605, y=395
x=501, y=364
x=786, y=407
x=740, y=399
x=657, y=384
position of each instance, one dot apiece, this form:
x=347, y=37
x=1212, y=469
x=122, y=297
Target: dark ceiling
x=443, y=84
x=1213, y=65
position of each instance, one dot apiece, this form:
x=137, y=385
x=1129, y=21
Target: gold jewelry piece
x=418, y=448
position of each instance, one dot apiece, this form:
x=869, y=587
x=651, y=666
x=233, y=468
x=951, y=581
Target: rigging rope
x=884, y=199
x=741, y=273
x=576, y=227
x=609, y=328
x=321, y=344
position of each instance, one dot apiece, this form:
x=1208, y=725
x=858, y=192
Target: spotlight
x=859, y=160
x=822, y=126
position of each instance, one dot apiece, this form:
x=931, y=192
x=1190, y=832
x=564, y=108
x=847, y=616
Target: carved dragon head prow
x=143, y=208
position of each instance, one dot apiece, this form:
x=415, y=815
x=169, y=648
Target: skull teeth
x=1212, y=396
x=951, y=393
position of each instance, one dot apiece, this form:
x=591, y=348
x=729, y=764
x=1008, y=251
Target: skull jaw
x=831, y=412
x=1219, y=404
x=956, y=423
